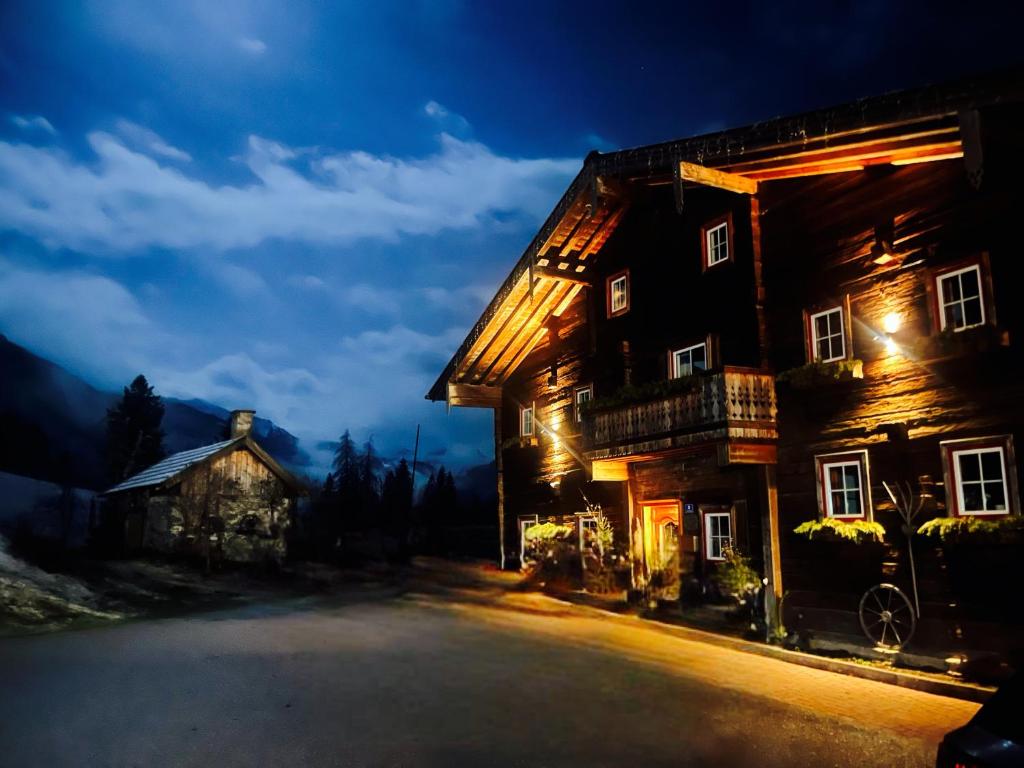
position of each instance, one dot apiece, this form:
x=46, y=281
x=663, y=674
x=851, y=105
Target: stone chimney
x=241, y=423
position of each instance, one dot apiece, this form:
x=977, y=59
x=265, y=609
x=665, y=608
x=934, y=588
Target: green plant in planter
x=854, y=531
x=950, y=342
x=952, y=530
x=642, y=393
x=818, y=373
x=736, y=578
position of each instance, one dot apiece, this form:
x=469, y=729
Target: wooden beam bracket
x=710, y=177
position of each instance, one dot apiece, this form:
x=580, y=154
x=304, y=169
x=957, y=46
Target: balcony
x=734, y=408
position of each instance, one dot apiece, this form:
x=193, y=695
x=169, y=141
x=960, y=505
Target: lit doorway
x=662, y=528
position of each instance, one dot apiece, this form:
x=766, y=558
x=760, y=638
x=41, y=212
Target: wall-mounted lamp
x=882, y=248
x=891, y=322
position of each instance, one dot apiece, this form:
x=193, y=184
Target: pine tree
x=347, y=483
x=396, y=507
x=134, y=437
x=369, y=488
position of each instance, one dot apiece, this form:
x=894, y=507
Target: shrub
x=735, y=577
x=818, y=373
x=855, y=531
x=949, y=530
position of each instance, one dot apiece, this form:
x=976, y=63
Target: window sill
x=519, y=442
x=950, y=344
x=817, y=374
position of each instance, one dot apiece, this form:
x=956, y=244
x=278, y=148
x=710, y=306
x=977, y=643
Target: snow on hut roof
x=171, y=466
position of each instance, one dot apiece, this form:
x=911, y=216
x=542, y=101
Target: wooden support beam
x=519, y=295
x=616, y=471
x=473, y=396
x=710, y=177
x=770, y=544
x=499, y=466
x=564, y=275
x=548, y=287
x=536, y=320
x=564, y=304
x=526, y=350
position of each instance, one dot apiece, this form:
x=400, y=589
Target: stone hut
x=230, y=500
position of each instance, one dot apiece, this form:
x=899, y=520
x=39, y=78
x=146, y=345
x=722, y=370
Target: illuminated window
x=844, y=496
x=689, y=360
x=618, y=294
x=583, y=396
x=960, y=299
x=828, y=335
x=526, y=421
x=979, y=476
x=717, y=534
x=844, y=488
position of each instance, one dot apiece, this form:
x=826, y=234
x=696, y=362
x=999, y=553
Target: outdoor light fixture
x=882, y=250
x=891, y=322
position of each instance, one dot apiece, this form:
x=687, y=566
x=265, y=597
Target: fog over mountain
x=52, y=423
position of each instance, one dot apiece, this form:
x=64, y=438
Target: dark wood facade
x=861, y=208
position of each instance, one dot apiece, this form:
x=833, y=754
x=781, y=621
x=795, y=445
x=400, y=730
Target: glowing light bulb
x=891, y=322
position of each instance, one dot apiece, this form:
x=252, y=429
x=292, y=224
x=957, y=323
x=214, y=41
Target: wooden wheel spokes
x=887, y=617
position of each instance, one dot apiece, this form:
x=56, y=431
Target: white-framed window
x=526, y=421
x=828, y=335
x=980, y=478
x=618, y=294
x=717, y=534
x=844, y=489
x=961, y=305
x=689, y=360
x=588, y=532
x=716, y=243
x=844, y=485
x=525, y=522
x=583, y=396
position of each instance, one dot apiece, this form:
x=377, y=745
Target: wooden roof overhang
x=921, y=125
x=550, y=274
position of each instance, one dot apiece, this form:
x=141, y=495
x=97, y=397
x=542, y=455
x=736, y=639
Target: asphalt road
x=437, y=681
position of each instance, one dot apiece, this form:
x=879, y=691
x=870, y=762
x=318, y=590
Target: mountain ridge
x=52, y=422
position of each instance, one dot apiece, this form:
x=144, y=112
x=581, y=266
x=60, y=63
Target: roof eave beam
x=473, y=396
x=709, y=177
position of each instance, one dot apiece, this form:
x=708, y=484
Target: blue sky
x=302, y=207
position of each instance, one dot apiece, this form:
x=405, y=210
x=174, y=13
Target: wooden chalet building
x=722, y=337
x=230, y=501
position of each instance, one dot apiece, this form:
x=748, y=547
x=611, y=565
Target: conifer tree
x=134, y=437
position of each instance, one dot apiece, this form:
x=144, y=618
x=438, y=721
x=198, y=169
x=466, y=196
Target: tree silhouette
x=396, y=507
x=134, y=437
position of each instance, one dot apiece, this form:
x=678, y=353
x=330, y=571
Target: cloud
x=34, y=123
x=473, y=297
x=448, y=121
x=82, y=320
x=128, y=201
x=238, y=381
x=378, y=301
x=146, y=140
x=308, y=282
x=252, y=45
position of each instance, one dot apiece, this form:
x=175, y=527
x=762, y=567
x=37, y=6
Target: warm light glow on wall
x=891, y=348
x=891, y=323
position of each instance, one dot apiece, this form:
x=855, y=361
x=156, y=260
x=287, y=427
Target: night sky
x=303, y=207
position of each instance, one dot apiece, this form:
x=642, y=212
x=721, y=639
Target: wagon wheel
x=887, y=617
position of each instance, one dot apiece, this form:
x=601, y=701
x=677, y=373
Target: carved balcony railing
x=732, y=404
